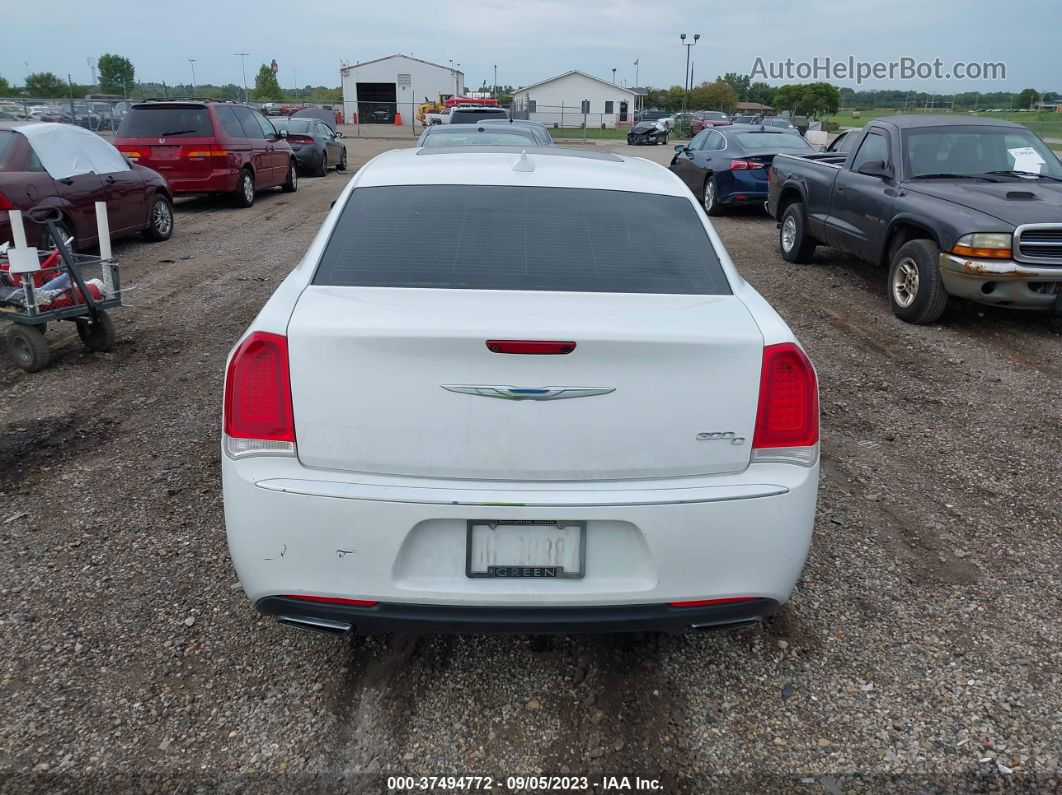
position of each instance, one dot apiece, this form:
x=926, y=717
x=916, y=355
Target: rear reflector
x=332, y=600
x=787, y=421
x=531, y=347
x=711, y=602
x=258, y=415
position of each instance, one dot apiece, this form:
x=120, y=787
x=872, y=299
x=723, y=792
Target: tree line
x=822, y=99
x=117, y=76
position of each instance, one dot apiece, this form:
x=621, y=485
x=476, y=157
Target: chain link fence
x=98, y=115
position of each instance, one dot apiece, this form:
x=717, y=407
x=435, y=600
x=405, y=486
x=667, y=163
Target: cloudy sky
x=530, y=40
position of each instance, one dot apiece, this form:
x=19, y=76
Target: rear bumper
x=459, y=620
x=1001, y=282
x=401, y=542
x=219, y=181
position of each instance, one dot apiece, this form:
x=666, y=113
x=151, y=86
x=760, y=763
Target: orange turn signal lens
x=992, y=253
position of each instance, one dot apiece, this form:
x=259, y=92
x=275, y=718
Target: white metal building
x=374, y=90
x=564, y=99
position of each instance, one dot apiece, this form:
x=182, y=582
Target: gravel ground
x=920, y=651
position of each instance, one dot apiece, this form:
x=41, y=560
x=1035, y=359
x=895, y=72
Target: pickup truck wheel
x=710, y=198
x=916, y=291
x=793, y=240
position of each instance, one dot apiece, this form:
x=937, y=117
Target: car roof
x=943, y=120
x=536, y=166
x=464, y=129
x=515, y=122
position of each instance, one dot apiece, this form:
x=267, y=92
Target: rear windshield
x=297, y=126
x=475, y=138
x=475, y=237
x=771, y=140
x=472, y=116
x=7, y=138
x=166, y=122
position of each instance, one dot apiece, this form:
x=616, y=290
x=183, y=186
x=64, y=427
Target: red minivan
x=208, y=147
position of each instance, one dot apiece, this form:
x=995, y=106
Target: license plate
x=164, y=152
x=525, y=549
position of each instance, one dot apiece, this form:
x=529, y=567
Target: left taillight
x=258, y=417
x=787, y=420
x=5, y=203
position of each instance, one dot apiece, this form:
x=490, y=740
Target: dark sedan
x=70, y=169
x=316, y=145
x=728, y=166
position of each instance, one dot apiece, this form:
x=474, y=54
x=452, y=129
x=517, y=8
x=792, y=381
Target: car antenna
x=523, y=163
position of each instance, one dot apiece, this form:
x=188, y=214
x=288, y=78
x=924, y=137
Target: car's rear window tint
x=7, y=138
x=475, y=138
x=771, y=140
x=521, y=238
x=471, y=116
x=166, y=122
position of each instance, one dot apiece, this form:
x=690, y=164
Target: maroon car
x=70, y=169
x=708, y=118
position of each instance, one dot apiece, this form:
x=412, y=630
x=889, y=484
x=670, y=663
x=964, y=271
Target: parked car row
x=951, y=206
x=205, y=147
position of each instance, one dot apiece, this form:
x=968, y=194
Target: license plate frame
x=516, y=571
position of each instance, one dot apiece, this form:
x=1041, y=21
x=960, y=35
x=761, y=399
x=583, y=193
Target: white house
x=375, y=90
x=563, y=101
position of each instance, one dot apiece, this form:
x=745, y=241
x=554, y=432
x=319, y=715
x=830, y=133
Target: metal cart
x=28, y=306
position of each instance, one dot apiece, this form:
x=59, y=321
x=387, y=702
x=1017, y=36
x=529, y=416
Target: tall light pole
x=494, y=88
x=192, y=62
x=613, y=75
x=243, y=66
x=295, y=83
x=686, y=96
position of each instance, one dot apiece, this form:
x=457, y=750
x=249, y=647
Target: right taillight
x=258, y=416
x=5, y=203
x=787, y=422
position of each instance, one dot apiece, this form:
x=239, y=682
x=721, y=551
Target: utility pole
x=686, y=96
x=192, y=62
x=494, y=88
x=92, y=68
x=243, y=66
x=295, y=83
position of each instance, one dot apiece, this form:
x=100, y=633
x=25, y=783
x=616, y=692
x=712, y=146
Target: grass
x=1043, y=123
x=591, y=132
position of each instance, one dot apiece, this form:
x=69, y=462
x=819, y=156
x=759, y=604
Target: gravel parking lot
x=922, y=649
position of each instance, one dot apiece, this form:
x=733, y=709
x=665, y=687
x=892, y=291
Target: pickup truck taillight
x=258, y=418
x=787, y=421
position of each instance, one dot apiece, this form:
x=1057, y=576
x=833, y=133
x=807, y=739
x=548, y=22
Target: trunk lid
x=369, y=366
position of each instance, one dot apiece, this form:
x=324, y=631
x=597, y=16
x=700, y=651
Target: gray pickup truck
x=952, y=205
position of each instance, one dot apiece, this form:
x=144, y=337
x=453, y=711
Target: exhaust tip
x=724, y=626
x=322, y=625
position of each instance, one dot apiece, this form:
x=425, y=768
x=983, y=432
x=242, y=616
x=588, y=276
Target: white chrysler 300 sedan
x=512, y=391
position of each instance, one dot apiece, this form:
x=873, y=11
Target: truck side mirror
x=875, y=168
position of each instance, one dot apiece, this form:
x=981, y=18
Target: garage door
x=376, y=103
